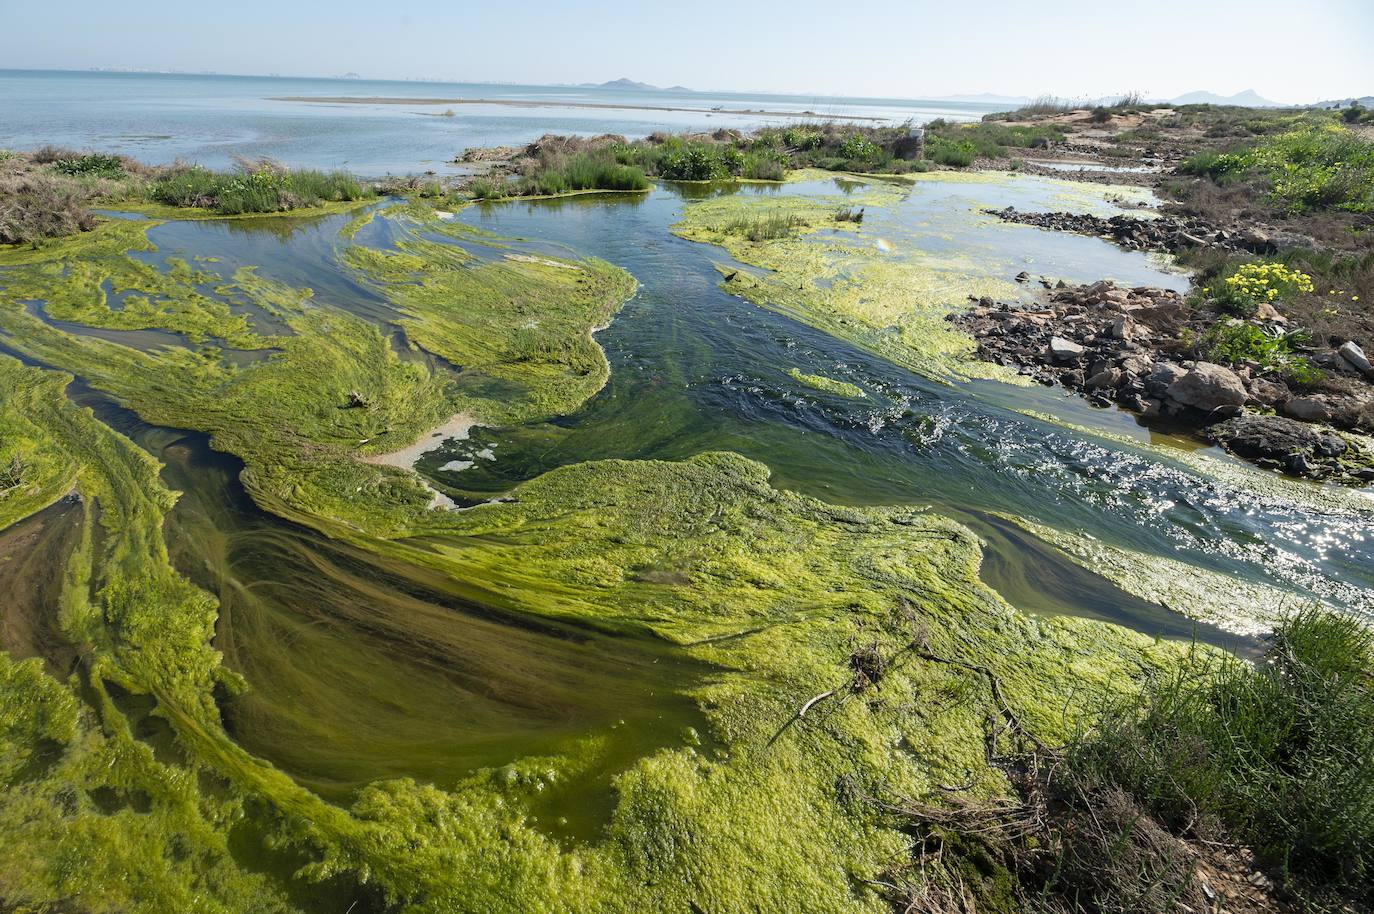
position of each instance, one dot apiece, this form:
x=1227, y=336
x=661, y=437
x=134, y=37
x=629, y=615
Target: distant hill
x=624, y=83
x=991, y=98
x=1247, y=99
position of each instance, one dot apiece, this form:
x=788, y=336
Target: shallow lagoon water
x=360, y=669
x=209, y=119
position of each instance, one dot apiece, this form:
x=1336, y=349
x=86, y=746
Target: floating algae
x=708, y=603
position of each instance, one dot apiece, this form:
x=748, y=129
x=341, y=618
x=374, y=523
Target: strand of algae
x=771, y=588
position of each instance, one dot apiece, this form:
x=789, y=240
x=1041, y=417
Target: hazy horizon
x=1286, y=52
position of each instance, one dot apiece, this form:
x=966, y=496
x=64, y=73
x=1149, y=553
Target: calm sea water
x=209, y=119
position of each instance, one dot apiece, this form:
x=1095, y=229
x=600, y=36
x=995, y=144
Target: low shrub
x=1278, y=756
x=958, y=154
x=860, y=149
x=1310, y=168
x=94, y=164
x=1242, y=289
x=697, y=162
x=764, y=165
x=1236, y=343
x=36, y=206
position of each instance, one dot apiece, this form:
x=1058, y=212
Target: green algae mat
x=251, y=663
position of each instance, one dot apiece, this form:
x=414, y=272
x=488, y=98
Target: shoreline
x=520, y=103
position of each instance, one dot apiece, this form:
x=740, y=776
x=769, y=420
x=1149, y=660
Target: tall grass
x=583, y=172
x=263, y=189
x=765, y=228
x=1044, y=105
x=1278, y=756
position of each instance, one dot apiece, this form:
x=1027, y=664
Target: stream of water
x=362, y=668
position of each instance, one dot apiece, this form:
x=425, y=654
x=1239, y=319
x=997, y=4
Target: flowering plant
x=1253, y=284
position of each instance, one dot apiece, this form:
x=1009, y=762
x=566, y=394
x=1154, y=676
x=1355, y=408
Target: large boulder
x=1208, y=387
x=1281, y=443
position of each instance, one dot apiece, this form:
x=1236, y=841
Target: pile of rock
x=1132, y=347
x=1168, y=234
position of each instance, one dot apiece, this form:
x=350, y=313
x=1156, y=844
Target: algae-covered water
x=441, y=647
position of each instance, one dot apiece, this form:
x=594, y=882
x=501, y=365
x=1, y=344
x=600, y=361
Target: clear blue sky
x=1287, y=51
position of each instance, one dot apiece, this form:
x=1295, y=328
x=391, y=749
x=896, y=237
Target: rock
x=1207, y=387
x=1161, y=377
x=1267, y=312
x=1308, y=409
x=1267, y=393
x=1277, y=441
x=1062, y=350
x=1109, y=378
x=356, y=400
x=1120, y=328
x=1354, y=355
x=1023, y=276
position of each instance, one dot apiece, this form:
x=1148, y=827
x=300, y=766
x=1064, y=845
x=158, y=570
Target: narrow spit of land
x=530, y=103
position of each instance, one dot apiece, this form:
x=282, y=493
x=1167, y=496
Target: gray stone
x=1266, y=392
x=1109, y=378
x=1208, y=387
x=1276, y=441
x=1308, y=409
x=1352, y=353
x=1160, y=376
x=1062, y=350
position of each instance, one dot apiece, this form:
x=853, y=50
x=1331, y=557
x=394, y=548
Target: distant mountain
x=1247, y=99
x=1364, y=101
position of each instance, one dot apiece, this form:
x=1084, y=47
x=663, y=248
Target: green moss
x=829, y=385
x=768, y=590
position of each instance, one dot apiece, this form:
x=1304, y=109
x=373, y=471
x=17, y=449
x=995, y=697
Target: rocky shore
x=1137, y=349
x=1163, y=234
